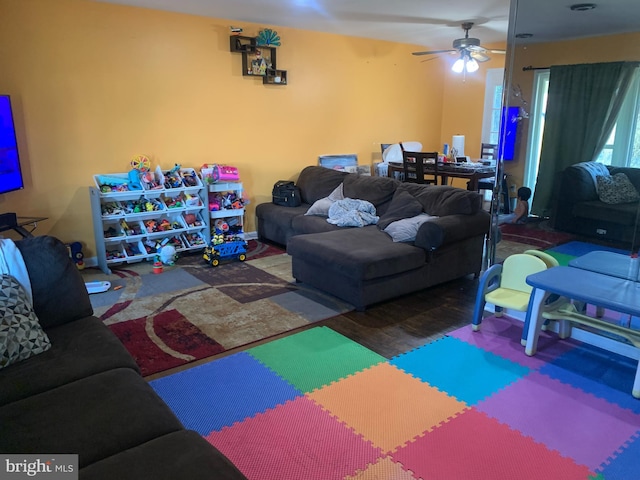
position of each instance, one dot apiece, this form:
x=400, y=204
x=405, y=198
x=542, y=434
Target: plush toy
x=168, y=254
x=75, y=252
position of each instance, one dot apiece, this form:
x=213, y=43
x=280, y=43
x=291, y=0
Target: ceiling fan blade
x=433, y=52
x=502, y=52
x=479, y=56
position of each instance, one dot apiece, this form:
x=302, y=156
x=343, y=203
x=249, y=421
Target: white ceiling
x=429, y=23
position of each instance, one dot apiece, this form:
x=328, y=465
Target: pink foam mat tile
x=501, y=335
x=474, y=446
x=297, y=440
x=578, y=425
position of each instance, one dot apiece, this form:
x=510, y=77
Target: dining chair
x=413, y=164
x=489, y=151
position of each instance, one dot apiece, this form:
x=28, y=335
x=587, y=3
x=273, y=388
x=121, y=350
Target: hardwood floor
x=399, y=325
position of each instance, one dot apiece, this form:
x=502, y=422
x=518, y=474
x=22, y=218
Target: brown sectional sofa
x=363, y=265
x=85, y=395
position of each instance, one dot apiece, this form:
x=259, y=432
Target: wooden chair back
x=413, y=164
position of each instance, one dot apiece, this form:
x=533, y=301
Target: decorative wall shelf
x=258, y=60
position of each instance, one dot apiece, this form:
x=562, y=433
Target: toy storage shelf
x=124, y=222
x=234, y=217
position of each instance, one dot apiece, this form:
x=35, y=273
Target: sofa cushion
x=21, y=335
x=95, y=417
x=377, y=190
x=312, y=224
x=406, y=229
x=623, y=214
x=322, y=206
x=179, y=455
x=59, y=293
x=443, y=200
x=615, y=189
x=403, y=205
x=78, y=349
x=362, y=253
x=318, y=182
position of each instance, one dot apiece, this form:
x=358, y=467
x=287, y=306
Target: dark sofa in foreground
x=578, y=208
x=85, y=396
x=364, y=265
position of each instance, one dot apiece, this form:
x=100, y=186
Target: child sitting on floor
x=521, y=212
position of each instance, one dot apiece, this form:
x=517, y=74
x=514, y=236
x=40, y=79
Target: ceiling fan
x=469, y=49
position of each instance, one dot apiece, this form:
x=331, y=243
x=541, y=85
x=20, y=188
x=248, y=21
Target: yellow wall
x=94, y=84
x=611, y=48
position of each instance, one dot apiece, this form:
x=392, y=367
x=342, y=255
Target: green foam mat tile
x=315, y=357
x=563, y=258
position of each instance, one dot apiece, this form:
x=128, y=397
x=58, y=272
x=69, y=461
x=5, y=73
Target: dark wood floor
x=399, y=325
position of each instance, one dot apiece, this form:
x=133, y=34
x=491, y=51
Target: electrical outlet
x=601, y=231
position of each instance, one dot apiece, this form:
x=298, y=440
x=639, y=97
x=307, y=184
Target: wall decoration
x=259, y=60
x=268, y=38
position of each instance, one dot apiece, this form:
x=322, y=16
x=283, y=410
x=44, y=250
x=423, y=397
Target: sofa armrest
x=452, y=228
x=59, y=293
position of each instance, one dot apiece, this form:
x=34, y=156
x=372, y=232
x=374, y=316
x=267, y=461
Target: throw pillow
x=405, y=230
x=21, y=335
x=403, y=205
x=321, y=207
x=616, y=189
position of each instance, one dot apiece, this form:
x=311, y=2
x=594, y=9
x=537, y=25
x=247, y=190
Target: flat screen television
x=10, y=172
x=508, y=132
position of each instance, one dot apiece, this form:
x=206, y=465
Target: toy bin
x=135, y=251
x=133, y=228
x=193, y=219
x=194, y=240
x=115, y=253
x=178, y=242
x=190, y=179
x=163, y=224
x=112, y=230
x=143, y=205
x=111, y=210
x=174, y=199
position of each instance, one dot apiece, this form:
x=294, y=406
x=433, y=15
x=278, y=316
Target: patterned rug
x=472, y=405
x=192, y=310
x=535, y=233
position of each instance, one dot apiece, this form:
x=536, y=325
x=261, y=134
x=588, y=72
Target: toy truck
x=234, y=249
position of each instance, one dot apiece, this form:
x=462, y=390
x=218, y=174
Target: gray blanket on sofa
x=351, y=212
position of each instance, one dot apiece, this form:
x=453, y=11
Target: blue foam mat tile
x=604, y=374
x=581, y=248
x=624, y=465
x=196, y=397
x=464, y=371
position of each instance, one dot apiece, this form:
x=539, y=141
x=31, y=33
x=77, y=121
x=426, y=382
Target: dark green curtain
x=582, y=107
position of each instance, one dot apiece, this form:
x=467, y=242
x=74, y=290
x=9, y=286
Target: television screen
x=508, y=131
x=10, y=173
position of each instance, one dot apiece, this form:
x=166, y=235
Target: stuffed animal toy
x=168, y=254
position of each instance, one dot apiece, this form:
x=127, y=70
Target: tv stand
x=10, y=221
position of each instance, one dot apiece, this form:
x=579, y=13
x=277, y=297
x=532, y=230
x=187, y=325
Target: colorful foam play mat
x=471, y=405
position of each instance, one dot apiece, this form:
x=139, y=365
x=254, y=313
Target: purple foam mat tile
x=501, y=335
x=578, y=425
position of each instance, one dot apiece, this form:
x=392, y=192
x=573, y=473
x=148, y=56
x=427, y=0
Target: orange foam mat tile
x=387, y=406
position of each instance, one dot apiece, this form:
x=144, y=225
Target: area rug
x=535, y=233
x=471, y=405
x=192, y=310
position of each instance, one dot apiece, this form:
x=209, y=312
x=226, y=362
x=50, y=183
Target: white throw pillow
x=322, y=206
x=615, y=189
x=405, y=230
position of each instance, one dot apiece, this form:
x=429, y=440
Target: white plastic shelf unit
x=234, y=217
x=130, y=225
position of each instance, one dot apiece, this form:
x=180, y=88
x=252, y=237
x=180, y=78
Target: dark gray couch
x=578, y=209
x=364, y=266
x=85, y=394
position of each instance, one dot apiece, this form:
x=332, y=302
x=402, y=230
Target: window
x=623, y=146
x=492, y=105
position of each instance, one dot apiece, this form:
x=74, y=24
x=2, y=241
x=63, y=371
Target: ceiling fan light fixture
x=458, y=65
x=472, y=65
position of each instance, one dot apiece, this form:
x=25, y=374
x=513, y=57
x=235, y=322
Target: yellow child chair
x=504, y=285
x=549, y=260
